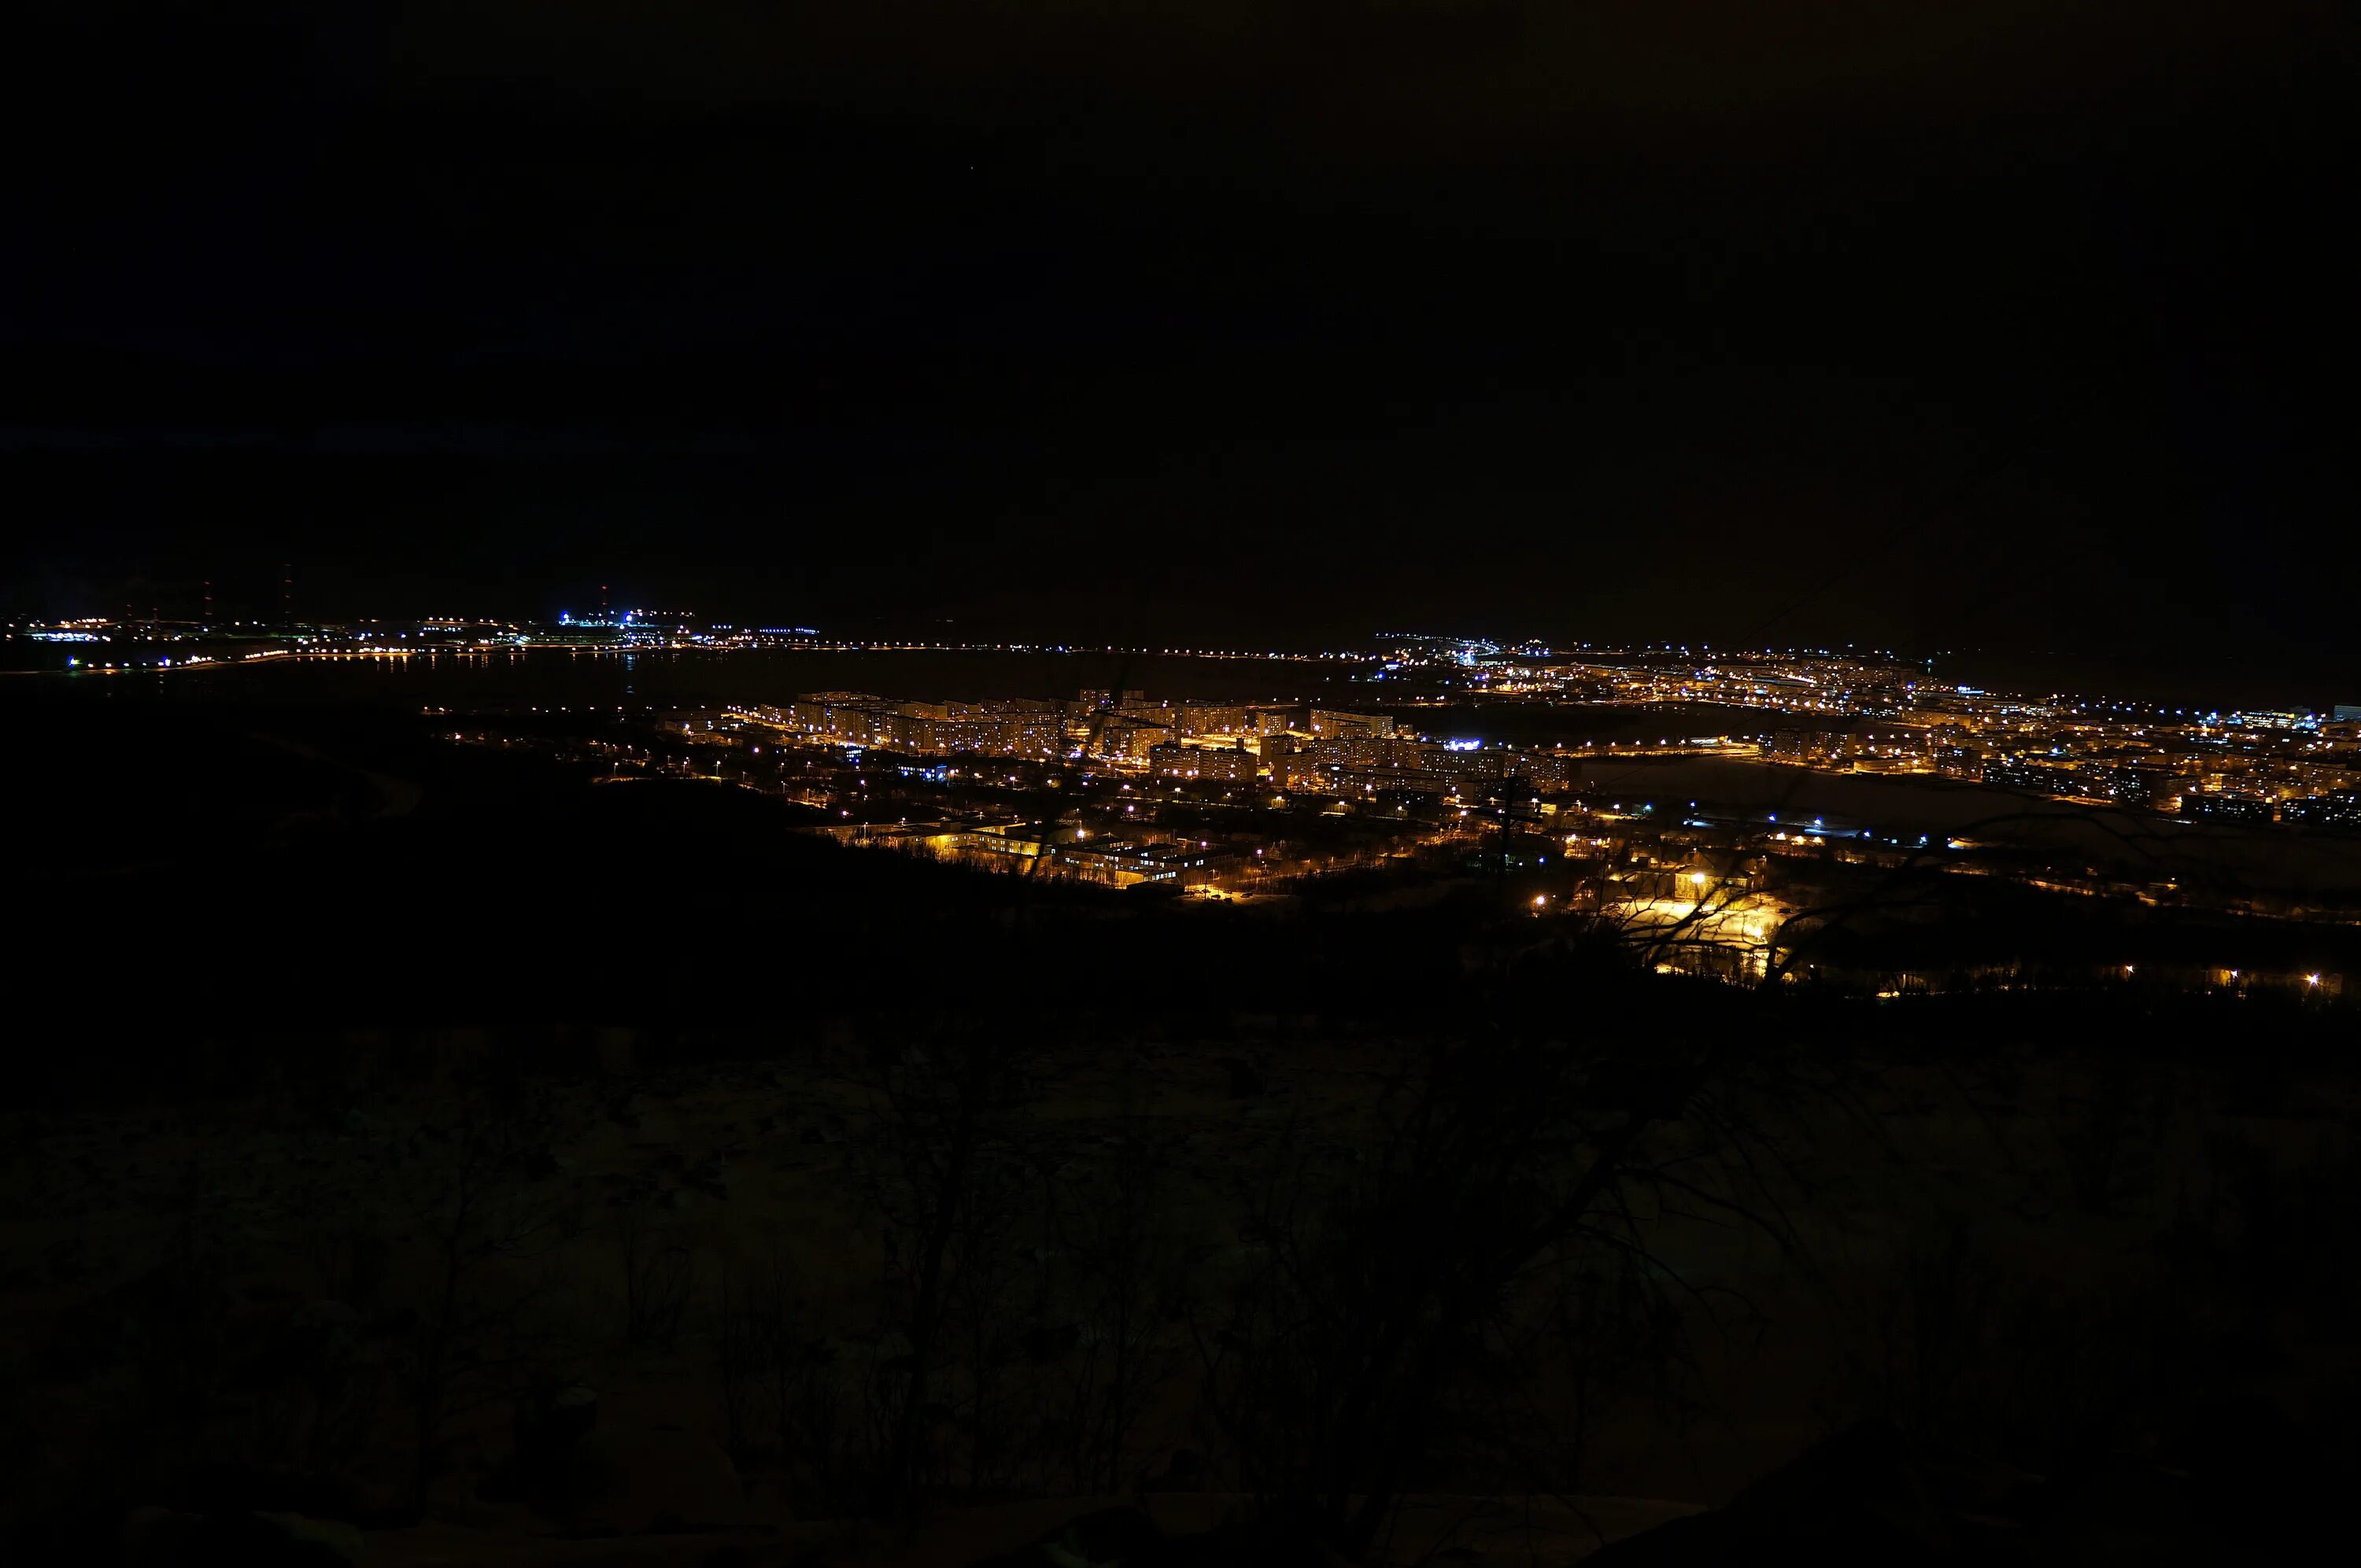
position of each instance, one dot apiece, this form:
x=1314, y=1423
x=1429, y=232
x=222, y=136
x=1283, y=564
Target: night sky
x=2018, y=324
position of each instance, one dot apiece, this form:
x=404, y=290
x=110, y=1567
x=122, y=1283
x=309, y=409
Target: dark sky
x=2014, y=323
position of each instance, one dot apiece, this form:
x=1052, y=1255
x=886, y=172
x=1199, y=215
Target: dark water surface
x=693, y=677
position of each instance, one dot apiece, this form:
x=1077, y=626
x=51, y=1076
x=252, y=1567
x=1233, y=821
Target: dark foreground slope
x=488, y=1164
